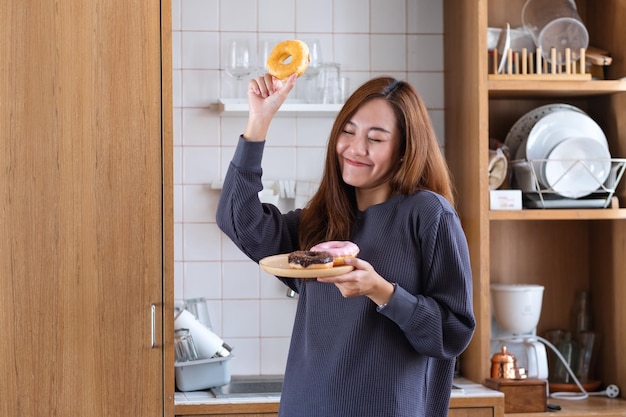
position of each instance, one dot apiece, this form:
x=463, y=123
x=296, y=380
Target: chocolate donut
x=302, y=259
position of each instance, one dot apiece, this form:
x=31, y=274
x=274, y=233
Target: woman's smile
x=355, y=163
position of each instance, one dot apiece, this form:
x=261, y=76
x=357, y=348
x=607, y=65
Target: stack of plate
x=577, y=167
x=566, y=149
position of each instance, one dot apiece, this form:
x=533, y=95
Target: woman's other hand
x=265, y=96
x=362, y=280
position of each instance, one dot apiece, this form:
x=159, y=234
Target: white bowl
x=577, y=167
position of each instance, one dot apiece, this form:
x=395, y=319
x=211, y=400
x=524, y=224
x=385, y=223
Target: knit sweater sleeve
x=258, y=229
x=438, y=321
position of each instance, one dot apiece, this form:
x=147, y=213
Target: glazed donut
x=301, y=259
x=298, y=51
x=339, y=249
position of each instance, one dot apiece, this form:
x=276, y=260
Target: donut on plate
x=279, y=63
x=301, y=259
x=339, y=249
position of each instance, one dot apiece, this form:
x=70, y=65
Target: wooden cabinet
x=85, y=207
x=566, y=249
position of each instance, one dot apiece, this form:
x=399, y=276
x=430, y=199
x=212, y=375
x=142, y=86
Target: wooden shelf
x=593, y=406
x=558, y=214
x=563, y=88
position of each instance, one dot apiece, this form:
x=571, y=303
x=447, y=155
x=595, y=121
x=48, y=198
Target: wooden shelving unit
x=564, y=250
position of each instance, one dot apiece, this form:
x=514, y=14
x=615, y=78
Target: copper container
x=503, y=365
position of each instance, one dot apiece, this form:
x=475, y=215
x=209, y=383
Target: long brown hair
x=332, y=210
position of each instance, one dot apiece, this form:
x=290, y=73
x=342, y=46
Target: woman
x=380, y=340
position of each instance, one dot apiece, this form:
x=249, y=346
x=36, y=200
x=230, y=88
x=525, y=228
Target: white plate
x=555, y=127
x=578, y=166
x=520, y=130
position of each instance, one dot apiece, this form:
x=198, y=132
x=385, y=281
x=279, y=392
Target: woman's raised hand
x=265, y=96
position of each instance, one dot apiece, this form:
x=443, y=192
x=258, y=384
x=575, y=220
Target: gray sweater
x=348, y=357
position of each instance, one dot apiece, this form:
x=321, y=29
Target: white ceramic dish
x=555, y=127
x=522, y=127
x=577, y=166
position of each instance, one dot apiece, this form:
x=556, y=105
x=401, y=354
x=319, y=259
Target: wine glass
x=239, y=63
x=313, y=70
x=267, y=46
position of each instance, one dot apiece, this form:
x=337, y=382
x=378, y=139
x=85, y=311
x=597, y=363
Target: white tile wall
x=402, y=38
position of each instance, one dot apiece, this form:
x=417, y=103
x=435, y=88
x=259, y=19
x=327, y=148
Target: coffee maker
x=515, y=312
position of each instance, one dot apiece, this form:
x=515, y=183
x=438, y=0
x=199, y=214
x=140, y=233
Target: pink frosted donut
x=339, y=249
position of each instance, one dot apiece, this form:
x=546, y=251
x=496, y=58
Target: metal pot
x=504, y=365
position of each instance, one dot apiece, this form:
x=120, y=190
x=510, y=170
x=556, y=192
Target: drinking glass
x=588, y=343
x=184, y=347
x=267, y=46
x=315, y=65
x=239, y=63
x=328, y=83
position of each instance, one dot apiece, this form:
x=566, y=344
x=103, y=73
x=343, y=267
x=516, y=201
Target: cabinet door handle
x=153, y=330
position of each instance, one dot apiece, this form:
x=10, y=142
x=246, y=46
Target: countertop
x=468, y=389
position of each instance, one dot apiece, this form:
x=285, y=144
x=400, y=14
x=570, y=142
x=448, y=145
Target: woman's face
x=369, y=146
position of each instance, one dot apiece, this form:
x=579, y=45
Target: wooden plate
x=279, y=265
x=589, y=387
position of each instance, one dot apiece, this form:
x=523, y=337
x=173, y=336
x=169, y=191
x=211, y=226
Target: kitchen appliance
x=516, y=309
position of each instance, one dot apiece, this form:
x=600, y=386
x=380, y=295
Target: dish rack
x=525, y=176
x=531, y=65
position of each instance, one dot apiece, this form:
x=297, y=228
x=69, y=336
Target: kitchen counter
x=469, y=394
